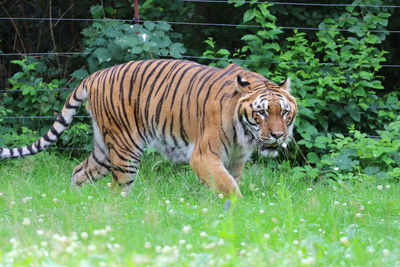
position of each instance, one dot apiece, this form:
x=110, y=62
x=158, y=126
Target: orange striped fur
x=213, y=118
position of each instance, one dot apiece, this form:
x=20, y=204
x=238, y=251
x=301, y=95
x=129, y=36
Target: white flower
x=266, y=236
x=296, y=242
x=147, y=244
x=263, y=194
x=189, y=246
x=26, y=221
x=358, y=215
x=181, y=200
x=205, y=210
x=171, y=211
x=387, y=186
x=302, y=220
x=221, y=196
x=336, y=168
x=379, y=187
x=92, y=248
x=123, y=194
x=309, y=189
x=344, y=240
x=385, y=252
x=144, y=37
x=182, y=241
x=90, y=197
x=55, y=199
x=203, y=234
x=362, y=207
x=261, y=211
x=40, y=232
x=167, y=202
x=308, y=261
x=109, y=184
x=186, y=229
x=43, y=195
x=84, y=235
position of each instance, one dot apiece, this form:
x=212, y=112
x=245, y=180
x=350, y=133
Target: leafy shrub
x=332, y=96
x=25, y=100
x=108, y=43
x=370, y=157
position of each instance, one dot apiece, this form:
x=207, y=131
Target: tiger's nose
x=277, y=135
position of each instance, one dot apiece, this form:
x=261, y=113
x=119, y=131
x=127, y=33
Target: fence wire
x=293, y=4
x=224, y=59
x=203, y=24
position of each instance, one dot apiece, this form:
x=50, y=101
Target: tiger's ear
x=242, y=86
x=285, y=84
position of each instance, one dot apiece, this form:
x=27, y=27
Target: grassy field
x=169, y=219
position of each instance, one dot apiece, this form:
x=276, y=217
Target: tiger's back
x=158, y=103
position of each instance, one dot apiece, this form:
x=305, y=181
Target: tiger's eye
x=261, y=112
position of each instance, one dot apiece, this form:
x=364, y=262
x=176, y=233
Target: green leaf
x=249, y=15
x=223, y=52
x=80, y=74
x=149, y=25
x=102, y=54
x=312, y=157
x=136, y=50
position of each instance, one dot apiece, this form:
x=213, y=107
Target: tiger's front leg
x=209, y=168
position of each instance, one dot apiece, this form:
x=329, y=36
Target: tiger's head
x=266, y=111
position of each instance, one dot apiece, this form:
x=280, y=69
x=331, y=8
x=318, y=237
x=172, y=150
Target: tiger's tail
x=62, y=122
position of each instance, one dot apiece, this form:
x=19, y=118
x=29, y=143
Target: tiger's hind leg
x=125, y=163
x=93, y=168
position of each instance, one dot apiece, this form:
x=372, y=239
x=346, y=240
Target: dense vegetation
x=349, y=103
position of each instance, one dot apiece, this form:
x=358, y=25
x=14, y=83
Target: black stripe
x=20, y=151
x=108, y=167
x=126, y=184
x=211, y=150
x=75, y=97
x=30, y=149
x=46, y=137
x=54, y=132
x=61, y=120
x=69, y=106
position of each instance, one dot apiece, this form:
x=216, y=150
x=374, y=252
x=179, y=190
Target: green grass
x=279, y=222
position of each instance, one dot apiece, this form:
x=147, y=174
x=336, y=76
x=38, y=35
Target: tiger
x=209, y=117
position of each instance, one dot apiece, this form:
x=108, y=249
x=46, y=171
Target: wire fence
x=203, y=24
x=223, y=59
x=293, y=4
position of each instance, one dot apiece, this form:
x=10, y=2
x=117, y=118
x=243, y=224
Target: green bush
x=25, y=100
x=335, y=75
x=108, y=43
